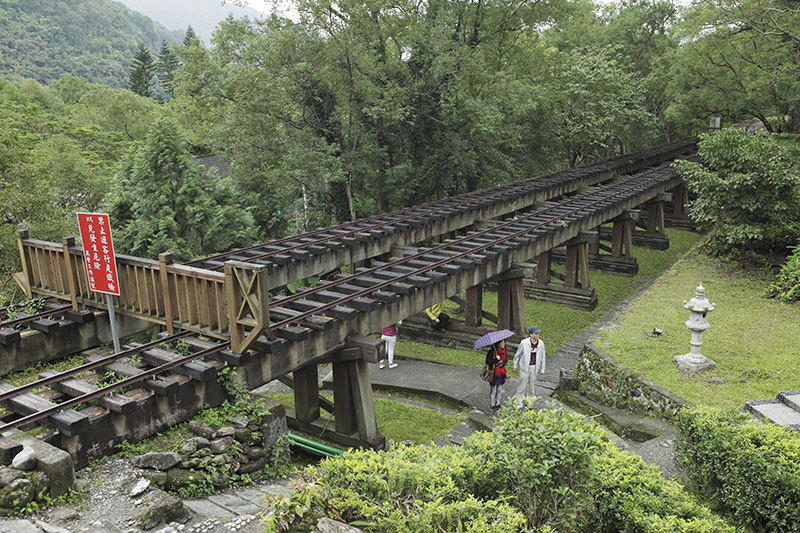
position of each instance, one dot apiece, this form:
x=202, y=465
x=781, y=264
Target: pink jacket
x=391, y=331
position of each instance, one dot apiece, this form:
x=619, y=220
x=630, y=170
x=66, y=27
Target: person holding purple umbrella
x=530, y=358
x=496, y=359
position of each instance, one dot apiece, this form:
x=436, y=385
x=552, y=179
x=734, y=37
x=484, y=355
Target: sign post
x=101, y=265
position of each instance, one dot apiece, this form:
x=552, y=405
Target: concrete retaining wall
x=599, y=377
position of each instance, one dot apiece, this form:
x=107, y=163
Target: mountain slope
x=202, y=15
x=96, y=39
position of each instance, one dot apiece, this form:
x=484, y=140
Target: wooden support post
x=680, y=197
x=164, y=260
x=543, y=269
x=571, y=266
x=69, y=269
x=577, y=261
x=504, y=304
x=344, y=409
x=364, y=401
x=248, y=304
x=306, y=393
x=594, y=242
x=474, y=305
x=510, y=300
x=622, y=236
x=26, y=282
x=517, y=321
x=655, y=217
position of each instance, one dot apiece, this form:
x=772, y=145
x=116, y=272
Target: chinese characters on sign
x=98, y=250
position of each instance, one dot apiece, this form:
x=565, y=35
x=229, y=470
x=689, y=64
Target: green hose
x=619, y=384
x=313, y=446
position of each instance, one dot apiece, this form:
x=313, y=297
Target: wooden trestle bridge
x=220, y=306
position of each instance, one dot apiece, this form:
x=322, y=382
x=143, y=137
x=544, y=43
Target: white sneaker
x=393, y=365
x=382, y=365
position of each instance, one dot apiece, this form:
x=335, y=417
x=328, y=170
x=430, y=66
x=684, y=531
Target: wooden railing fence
x=232, y=306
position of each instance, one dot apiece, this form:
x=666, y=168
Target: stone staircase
x=783, y=410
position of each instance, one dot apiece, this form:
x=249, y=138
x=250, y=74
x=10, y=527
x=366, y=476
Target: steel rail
x=340, y=281
x=437, y=204
x=114, y=386
x=90, y=366
x=477, y=249
x=41, y=314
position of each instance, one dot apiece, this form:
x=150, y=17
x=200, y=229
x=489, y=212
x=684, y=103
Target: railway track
x=51, y=399
x=302, y=253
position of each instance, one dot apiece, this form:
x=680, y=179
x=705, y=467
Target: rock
x=253, y=466
x=25, y=460
x=16, y=494
x=239, y=421
x=189, y=446
x=7, y=475
x=242, y=435
x=64, y=513
x=255, y=453
x=201, y=430
x=220, y=479
x=157, y=506
x=178, y=478
x=226, y=431
x=328, y=525
x=717, y=380
x=141, y=486
x=18, y=526
x=221, y=445
x=219, y=460
x=50, y=528
x=157, y=460
x=41, y=486
x=157, y=478
x=55, y=462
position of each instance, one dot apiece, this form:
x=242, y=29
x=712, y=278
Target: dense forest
x=359, y=108
x=95, y=39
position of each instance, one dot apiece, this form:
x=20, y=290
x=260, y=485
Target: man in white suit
x=530, y=358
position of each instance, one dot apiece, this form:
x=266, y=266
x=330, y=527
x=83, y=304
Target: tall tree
x=190, y=38
x=168, y=63
x=143, y=68
x=164, y=201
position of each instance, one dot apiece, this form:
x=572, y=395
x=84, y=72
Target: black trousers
x=444, y=322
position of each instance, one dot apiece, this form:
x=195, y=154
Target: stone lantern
x=698, y=307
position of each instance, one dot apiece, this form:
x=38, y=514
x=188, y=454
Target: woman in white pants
x=389, y=335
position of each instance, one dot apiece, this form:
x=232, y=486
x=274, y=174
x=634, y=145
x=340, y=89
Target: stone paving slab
x=205, y=508
x=775, y=411
x=234, y=503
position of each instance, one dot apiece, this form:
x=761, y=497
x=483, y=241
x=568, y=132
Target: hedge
x=537, y=471
x=748, y=469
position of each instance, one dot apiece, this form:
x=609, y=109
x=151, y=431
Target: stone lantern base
x=693, y=363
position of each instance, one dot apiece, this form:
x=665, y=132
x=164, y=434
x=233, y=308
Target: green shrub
x=746, y=188
x=632, y=496
x=543, y=459
x=537, y=471
x=749, y=470
x=787, y=284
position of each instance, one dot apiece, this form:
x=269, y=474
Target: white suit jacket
x=523, y=356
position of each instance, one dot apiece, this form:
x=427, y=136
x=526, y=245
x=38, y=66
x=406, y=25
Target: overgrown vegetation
x=748, y=470
x=539, y=470
x=752, y=339
x=747, y=191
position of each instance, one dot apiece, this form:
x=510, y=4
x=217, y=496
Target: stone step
x=775, y=411
x=790, y=398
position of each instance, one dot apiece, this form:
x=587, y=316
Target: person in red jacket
x=389, y=335
x=496, y=359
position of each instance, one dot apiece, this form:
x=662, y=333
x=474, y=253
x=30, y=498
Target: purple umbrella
x=491, y=338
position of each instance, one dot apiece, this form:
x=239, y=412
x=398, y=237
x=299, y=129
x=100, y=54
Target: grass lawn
x=400, y=421
x=558, y=322
x=754, y=340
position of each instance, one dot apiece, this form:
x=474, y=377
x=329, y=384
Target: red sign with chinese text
x=101, y=266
